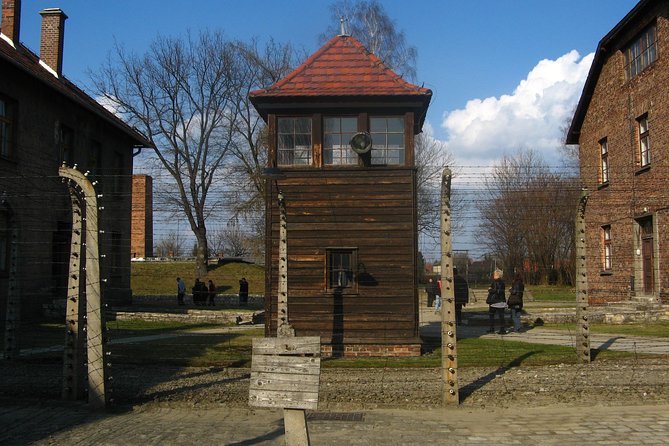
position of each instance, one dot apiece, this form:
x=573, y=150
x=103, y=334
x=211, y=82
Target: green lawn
x=655, y=329
x=159, y=278
x=190, y=348
x=552, y=293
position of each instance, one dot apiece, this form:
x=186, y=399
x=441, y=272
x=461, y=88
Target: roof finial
x=342, y=26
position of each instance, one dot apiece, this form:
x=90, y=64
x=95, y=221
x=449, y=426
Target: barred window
x=606, y=247
x=340, y=268
x=7, y=127
x=644, y=140
x=641, y=53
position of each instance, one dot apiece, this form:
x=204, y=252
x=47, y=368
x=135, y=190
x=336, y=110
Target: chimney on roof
x=11, y=19
x=51, y=41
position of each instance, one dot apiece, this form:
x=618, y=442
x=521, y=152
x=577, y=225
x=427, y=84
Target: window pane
x=396, y=125
x=377, y=125
x=349, y=125
x=303, y=125
x=395, y=141
x=286, y=141
x=331, y=125
x=285, y=125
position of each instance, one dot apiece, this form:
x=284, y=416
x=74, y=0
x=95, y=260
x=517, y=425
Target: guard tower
x=341, y=145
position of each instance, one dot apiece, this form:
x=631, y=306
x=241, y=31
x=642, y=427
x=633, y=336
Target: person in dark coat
x=243, y=292
x=432, y=290
x=212, y=293
x=461, y=291
x=199, y=292
x=496, y=302
x=515, y=301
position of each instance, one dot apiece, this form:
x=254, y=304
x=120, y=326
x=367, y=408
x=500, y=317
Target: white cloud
x=532, y=117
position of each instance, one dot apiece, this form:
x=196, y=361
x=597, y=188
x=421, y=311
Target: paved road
x=74, y=425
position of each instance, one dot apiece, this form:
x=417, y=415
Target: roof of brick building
x=24, y=59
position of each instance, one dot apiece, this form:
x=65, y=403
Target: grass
x=548, y=293
x=475, y=352
x=656, y=329
x=189, y=348
x=159, y=278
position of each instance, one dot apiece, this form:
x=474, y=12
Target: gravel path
x=640, y=381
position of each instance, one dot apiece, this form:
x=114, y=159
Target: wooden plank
x=287, y=346
x=282, y=382
x=286, y=364
x=290, y=400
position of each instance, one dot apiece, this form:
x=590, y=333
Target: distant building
x=141, y=239
x=622, y=126
x=342, y=129
x=45, y=121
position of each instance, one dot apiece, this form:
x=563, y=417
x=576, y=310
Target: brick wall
x=141, y=239
x=632, y=192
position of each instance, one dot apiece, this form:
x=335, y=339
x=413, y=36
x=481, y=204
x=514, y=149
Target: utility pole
x=449, y=348
x=582, y=323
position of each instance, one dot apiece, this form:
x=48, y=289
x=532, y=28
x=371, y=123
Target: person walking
x=437, y=298
x=212, y=293
x=181, y=291
x=243, y=292
x=461, y=291
x=431, y=289
x=515, y=301
x=496, y=302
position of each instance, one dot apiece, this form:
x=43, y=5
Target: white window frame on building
x=294, y=141
x=604, y=161
x=337, y=134
x=388, y=147
x=607, y=250
x=644, y=140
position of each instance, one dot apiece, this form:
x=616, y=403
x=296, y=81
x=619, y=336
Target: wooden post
x=73, y=355
x=449, y=349
x=582, y=323
x=13, y=315
x=95, y=350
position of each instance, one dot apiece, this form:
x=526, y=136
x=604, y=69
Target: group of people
x=204, y=294
x=460, y=291
x=496, y=300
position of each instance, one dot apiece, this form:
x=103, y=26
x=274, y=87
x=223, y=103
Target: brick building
x=141, y=234
x=622, y=126
x=45, y=121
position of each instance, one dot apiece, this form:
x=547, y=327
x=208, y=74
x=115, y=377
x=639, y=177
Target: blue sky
x=505, y=74
x=473, y=54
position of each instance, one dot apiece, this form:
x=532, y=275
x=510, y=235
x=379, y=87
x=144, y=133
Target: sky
x=505, y=74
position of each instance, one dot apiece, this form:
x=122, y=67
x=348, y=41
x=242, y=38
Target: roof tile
x=342, y=67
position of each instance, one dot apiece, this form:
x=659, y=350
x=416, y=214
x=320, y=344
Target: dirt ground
x=633, y=381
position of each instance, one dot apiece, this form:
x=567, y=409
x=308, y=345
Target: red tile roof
x=342, y=67
x=26, y=60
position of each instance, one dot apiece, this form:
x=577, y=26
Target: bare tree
x=431, y=157
x=528, y=215
x=170, y=246
x=368, y=22
x=180, y=95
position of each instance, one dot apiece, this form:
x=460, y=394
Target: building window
x=120, y=176
x=644, y=141
x=337, y=134
x=66, y=145
x=294, y=145
x=641, y=53
x=7, y=127
x=606, y=247
x=340, y=273
x=387, y=140
x=604, y=161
